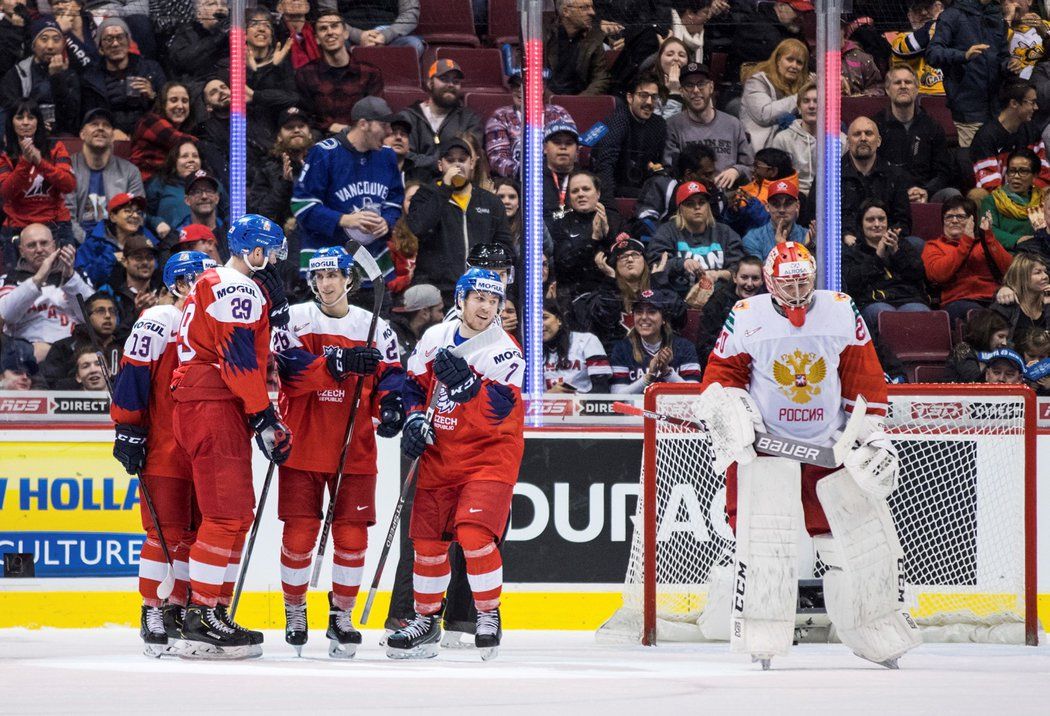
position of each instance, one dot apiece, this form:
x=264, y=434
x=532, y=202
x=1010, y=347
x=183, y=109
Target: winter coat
x=97, y=258
x=761, y=109
x=574, y=252
x=195, y=52
x=100, y=87
x=961, y=269
x=621, y=158
x=590, y=74
x=896, y=280
x=883, y=182
x=269, y=193
x=28, y=79
x=920, y=150
x=424, y=143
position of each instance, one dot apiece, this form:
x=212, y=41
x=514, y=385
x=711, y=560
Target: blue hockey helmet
x=332, y=258
x=479, y=279
x=188, y=265
x=252, y=231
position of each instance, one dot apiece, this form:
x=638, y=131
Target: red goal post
x=965, y=510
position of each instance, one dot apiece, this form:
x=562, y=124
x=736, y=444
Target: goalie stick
x=484, y=339
x=830, y=457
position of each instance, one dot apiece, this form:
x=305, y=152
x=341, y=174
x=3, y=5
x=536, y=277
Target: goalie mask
x=333, y=258
x=790, y=274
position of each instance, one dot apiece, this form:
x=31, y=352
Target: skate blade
x=886, y=663
x=423, y=651
x=455, y=640
x=298, y=650
x=209, y=652
x=766, y=661
x=341, y=651
x=155, y=651
x=489, y=653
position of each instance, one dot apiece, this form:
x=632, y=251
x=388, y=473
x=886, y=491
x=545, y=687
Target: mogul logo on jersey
x=799, y=375
x=235, y=288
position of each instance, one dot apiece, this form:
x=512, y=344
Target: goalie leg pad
x=864, y=587
x=714, y=620
x=769, y=512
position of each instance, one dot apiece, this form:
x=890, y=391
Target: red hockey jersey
x=481, y=439
x=142, y=388
x=224, y=342
x=317, y=407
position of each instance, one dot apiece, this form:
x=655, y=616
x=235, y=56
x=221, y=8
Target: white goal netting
x=961, y=511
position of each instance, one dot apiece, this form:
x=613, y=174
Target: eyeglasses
x=956, y=217
x=629, y=255
x=692, y=86
x=103, y=311
x=644, y=96
x=114, y=39
x=1018, y=171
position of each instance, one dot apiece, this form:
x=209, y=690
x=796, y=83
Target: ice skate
x=205, y=635
x=255, y=638
x=419, y=640
x=764, y=659
x=487, y=634
x=343, y=638
x=295, y=629
x=457, y=635
x=391, y=625
x=154, y=637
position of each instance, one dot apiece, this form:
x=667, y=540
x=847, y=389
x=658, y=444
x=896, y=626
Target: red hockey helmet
x=791, y=273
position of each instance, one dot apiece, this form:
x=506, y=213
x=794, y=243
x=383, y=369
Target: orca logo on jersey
x=740, y=588
x=235, y=288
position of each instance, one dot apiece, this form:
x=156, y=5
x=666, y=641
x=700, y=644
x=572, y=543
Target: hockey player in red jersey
x=145, y=446
x=797, y=362
x=320, y=356
x=469, y=461
x=220, y=397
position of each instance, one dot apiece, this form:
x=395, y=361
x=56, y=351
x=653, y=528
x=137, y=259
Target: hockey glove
x=130, y=448
x=391, y=416
x=874, y=464
x=416, y=435
x=273, y=288
x=271, y=435
x=344, y=361
x=461, y=382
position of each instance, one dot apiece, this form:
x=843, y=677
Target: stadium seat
x=937, y=107
x=626, y=207
x=586, y=110
x=398, y=99
x=853, y=107
x=121, y=148
x=399, y=65
x=71, y=143
x=931, y=374
x=922, y=337
x=447, y=22
x=504, y=23
x=485, y=103
x=926, y=221
x=691, y=330
x=717, y=67
x=482, y=67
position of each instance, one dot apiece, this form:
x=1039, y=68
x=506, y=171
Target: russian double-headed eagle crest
x=799, y=375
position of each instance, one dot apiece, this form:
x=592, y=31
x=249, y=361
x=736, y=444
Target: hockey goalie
x=795, y=363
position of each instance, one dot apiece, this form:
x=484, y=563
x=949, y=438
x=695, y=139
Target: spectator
x=270, y=192
x=60, y=368
x=865, y=175
x=701, y=122
x=913, y=141
x=560, y=149
x=672, y=56
x=860, y=71
x=509, y=318
x=632, y=148
x=585, y=228
x=746, y=205
x=35, y=173
x=799, y=139
x=203, y=194
x=438, y=118
x=909, y=48
x=1024, y=296
x=771, y=91
x=200, y=45
x=124, y=83
x=382, y=23
x=968, y=268
x=572, y=50
x=38, y=296
x=17, y=366
x=605, y=312
x=883, y=272
x=688, y=21
x=160, y=130
x=295, y=31
x=100, y=175
x=1011, y=203
x=98, y=258
x=698, y=250
x=451, y=216
x=14, y=19
x=482, y=174
x=214, y=131
x=503, y=130
x=985, y=331
x=969, y=47
x=166, y=191
x=421, y=308
x=509, y=192
x=140, y=287
x=334, y=82
x=746, y=282
x=759, y=31
x=573, y=361
x=655, y=204
x=1013, y=129
x=45, y=78
x=1035, y=349
x=1039, y=244
x=651, y=352
x=89, y=375
x=196, y=237
x=78, y=28
x=1004, y=366
x=782, y=200
x=1025, y=37
x=137, y=15
x=399, y=141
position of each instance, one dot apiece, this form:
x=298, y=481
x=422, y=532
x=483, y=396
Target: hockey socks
x=153, y=568
x=430, y=575
x=218, y=539
x=484, y=565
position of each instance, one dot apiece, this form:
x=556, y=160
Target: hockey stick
x=375, y=275
x=247, y=558
x=830, y=457
x=484, y=339
x=167, y=585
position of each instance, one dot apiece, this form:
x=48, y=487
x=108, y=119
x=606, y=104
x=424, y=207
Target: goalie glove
x=416, y=435
x=732, y=419
x=271, y=435
x=874, y=464
x=460, y=381
x=130, y=448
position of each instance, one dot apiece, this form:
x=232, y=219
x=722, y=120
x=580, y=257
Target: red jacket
x=153, y=139
x=34, y=194
x=961, y=269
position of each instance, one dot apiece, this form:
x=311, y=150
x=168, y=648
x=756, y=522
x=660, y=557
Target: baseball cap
x=401, y=118
x=292, y=114
x=621, y=245
x=1004, y=354
x=454, y=143
x=442, y=67
x=558, y=126
x=97, y=113
x=201, y=175
x=192, y=233
x=17, y=355
x=696, y=69
x=138, y=242
x=373, y=109
x=689, y=189
x=782, y=188
x=419, y=297
x=661, y=299
x=799, y=5
x=121, y=200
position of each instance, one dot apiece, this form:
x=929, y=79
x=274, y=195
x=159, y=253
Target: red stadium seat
x=482, y=67
x=924, y=337
x=72, y=144
x=717, y=67
x=931, y=374
x=853, y=107
x=400, y=65
x=447, y=22
x=121, y=148
x=504, y=23
x=691, y=330
x=398, y=99
x=485, y=103
x=937, y=107
x=926, y=221
x=626, y=207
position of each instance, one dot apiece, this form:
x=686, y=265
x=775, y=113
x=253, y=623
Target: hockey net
x=964, y=510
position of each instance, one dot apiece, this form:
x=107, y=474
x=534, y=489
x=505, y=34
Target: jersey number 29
x=186, y=352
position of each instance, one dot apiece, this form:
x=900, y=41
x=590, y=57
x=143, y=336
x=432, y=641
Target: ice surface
x=538, y=673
